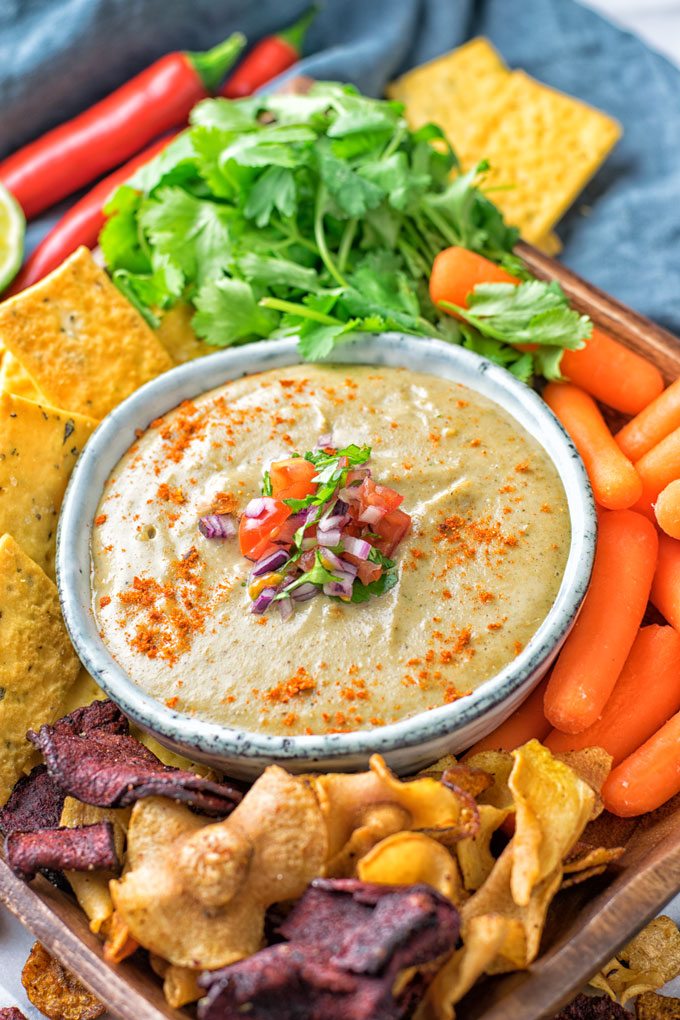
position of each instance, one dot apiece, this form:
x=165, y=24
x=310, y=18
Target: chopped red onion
x=329, y=538
x=258, y=506
x=308, y=558
x=217, y=526
x=337, y=565
x=332, y=523
x=305, y=592
x=358, y=475
x=325, y=440
x=341, y=588
x=286, y=608
x=263, y=601
x=372, y=514
x=340, y=509
x=356, y=546
x=270, y=562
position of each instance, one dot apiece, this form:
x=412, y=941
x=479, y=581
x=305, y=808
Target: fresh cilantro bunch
x=314, y=215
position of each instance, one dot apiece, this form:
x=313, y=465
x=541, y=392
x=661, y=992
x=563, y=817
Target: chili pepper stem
x=295, y=35
x=212, y=65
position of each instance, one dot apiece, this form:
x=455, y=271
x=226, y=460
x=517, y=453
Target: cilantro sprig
x=313, y=215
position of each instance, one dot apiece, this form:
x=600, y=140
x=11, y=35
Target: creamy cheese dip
x=477, y=574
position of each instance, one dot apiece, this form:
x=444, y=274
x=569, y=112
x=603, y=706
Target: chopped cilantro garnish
x=364, y=592
x=266, y=484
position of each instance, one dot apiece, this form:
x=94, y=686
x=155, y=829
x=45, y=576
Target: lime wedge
x=12, y=229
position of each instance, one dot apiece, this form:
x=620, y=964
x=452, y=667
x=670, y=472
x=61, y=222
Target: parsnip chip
x=37, y=664
x=584, y=862
x=55, y=991
x=552, y=808
x=646, y=963
x=474, y=854
x=499, y=765
x=592, y=765
x=92, y=887
x=80, y=340
x=180, y=986
x=39, y=447
x=407, y=858
x=177, y=336
x=376, y=823
x=218, y=878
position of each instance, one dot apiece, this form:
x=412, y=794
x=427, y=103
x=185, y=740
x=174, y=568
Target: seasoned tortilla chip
x=89, y=848
x=92, y=887
x=82, y=343
x=15, y=379
x=83, y=692
x=55, y=991
x=37, y=664
x=38, y=450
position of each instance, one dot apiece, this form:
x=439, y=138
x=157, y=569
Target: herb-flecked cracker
x=39, y=446
x=15, y=379
x=37, y=665
x=81, y=341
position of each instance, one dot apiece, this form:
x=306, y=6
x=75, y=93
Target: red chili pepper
x=114, y=129
x=81, y=224
x=271, y=56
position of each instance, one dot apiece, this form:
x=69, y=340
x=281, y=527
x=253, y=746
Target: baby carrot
x=665, y=593
x=646, y=695
x=613, y=373
x=457, y=271
x=648, y=777
x=657, y=468
x=667, y=509
x=651, y=425
x=526, y=722
x=616, y=483
x=604, y=368
x=598, y=645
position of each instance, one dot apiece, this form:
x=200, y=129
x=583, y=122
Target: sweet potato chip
x=89, y=848
x=112, y=770
x=411, y=858
x=81, y=341
x=592, y=1007
x=37, y=664
x=552, y=807
x=347, y=944
x=39, y=447
x=219, y=878
x=35, y=803
x=650, y=1006
x=55, y=991
x=92, y=887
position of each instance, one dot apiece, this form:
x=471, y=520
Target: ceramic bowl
x=409, y=744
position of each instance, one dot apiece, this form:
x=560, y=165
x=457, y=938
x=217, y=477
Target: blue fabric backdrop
x=56, y=56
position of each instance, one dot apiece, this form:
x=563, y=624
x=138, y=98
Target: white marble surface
x=656, y=21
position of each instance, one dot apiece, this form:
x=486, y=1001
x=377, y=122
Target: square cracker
x=80, y=340
x=543, y=147
x=454, y=91
x=39, y=446
x=37, y=665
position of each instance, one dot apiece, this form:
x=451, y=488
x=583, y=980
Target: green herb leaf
x=227, y=312
x=365, y=592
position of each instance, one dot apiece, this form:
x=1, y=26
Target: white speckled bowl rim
x=115, y=435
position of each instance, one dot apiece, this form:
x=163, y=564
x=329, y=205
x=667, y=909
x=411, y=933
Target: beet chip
x=35, y=803
x=593, y=1007
x=346, y=943
x=88, y=848
x=98, y=715
x=11, y=1013
x=110, y=769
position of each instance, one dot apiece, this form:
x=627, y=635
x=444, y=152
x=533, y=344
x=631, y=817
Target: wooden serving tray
x=587, y=924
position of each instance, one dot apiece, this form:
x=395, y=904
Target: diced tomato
x=368, y=572
x=292, y=478
x=381, y=496
x=391, y=529
x=256, y=535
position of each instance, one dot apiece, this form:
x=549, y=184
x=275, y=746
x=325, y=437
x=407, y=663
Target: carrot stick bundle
x=645, y=696
x=657, y=468
x=616, y=484
x=667, y=509
x=596, y=649
x=526, y=722
x=648, y=777
x=604, y=368
x=651, y=425
x=665, y=594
